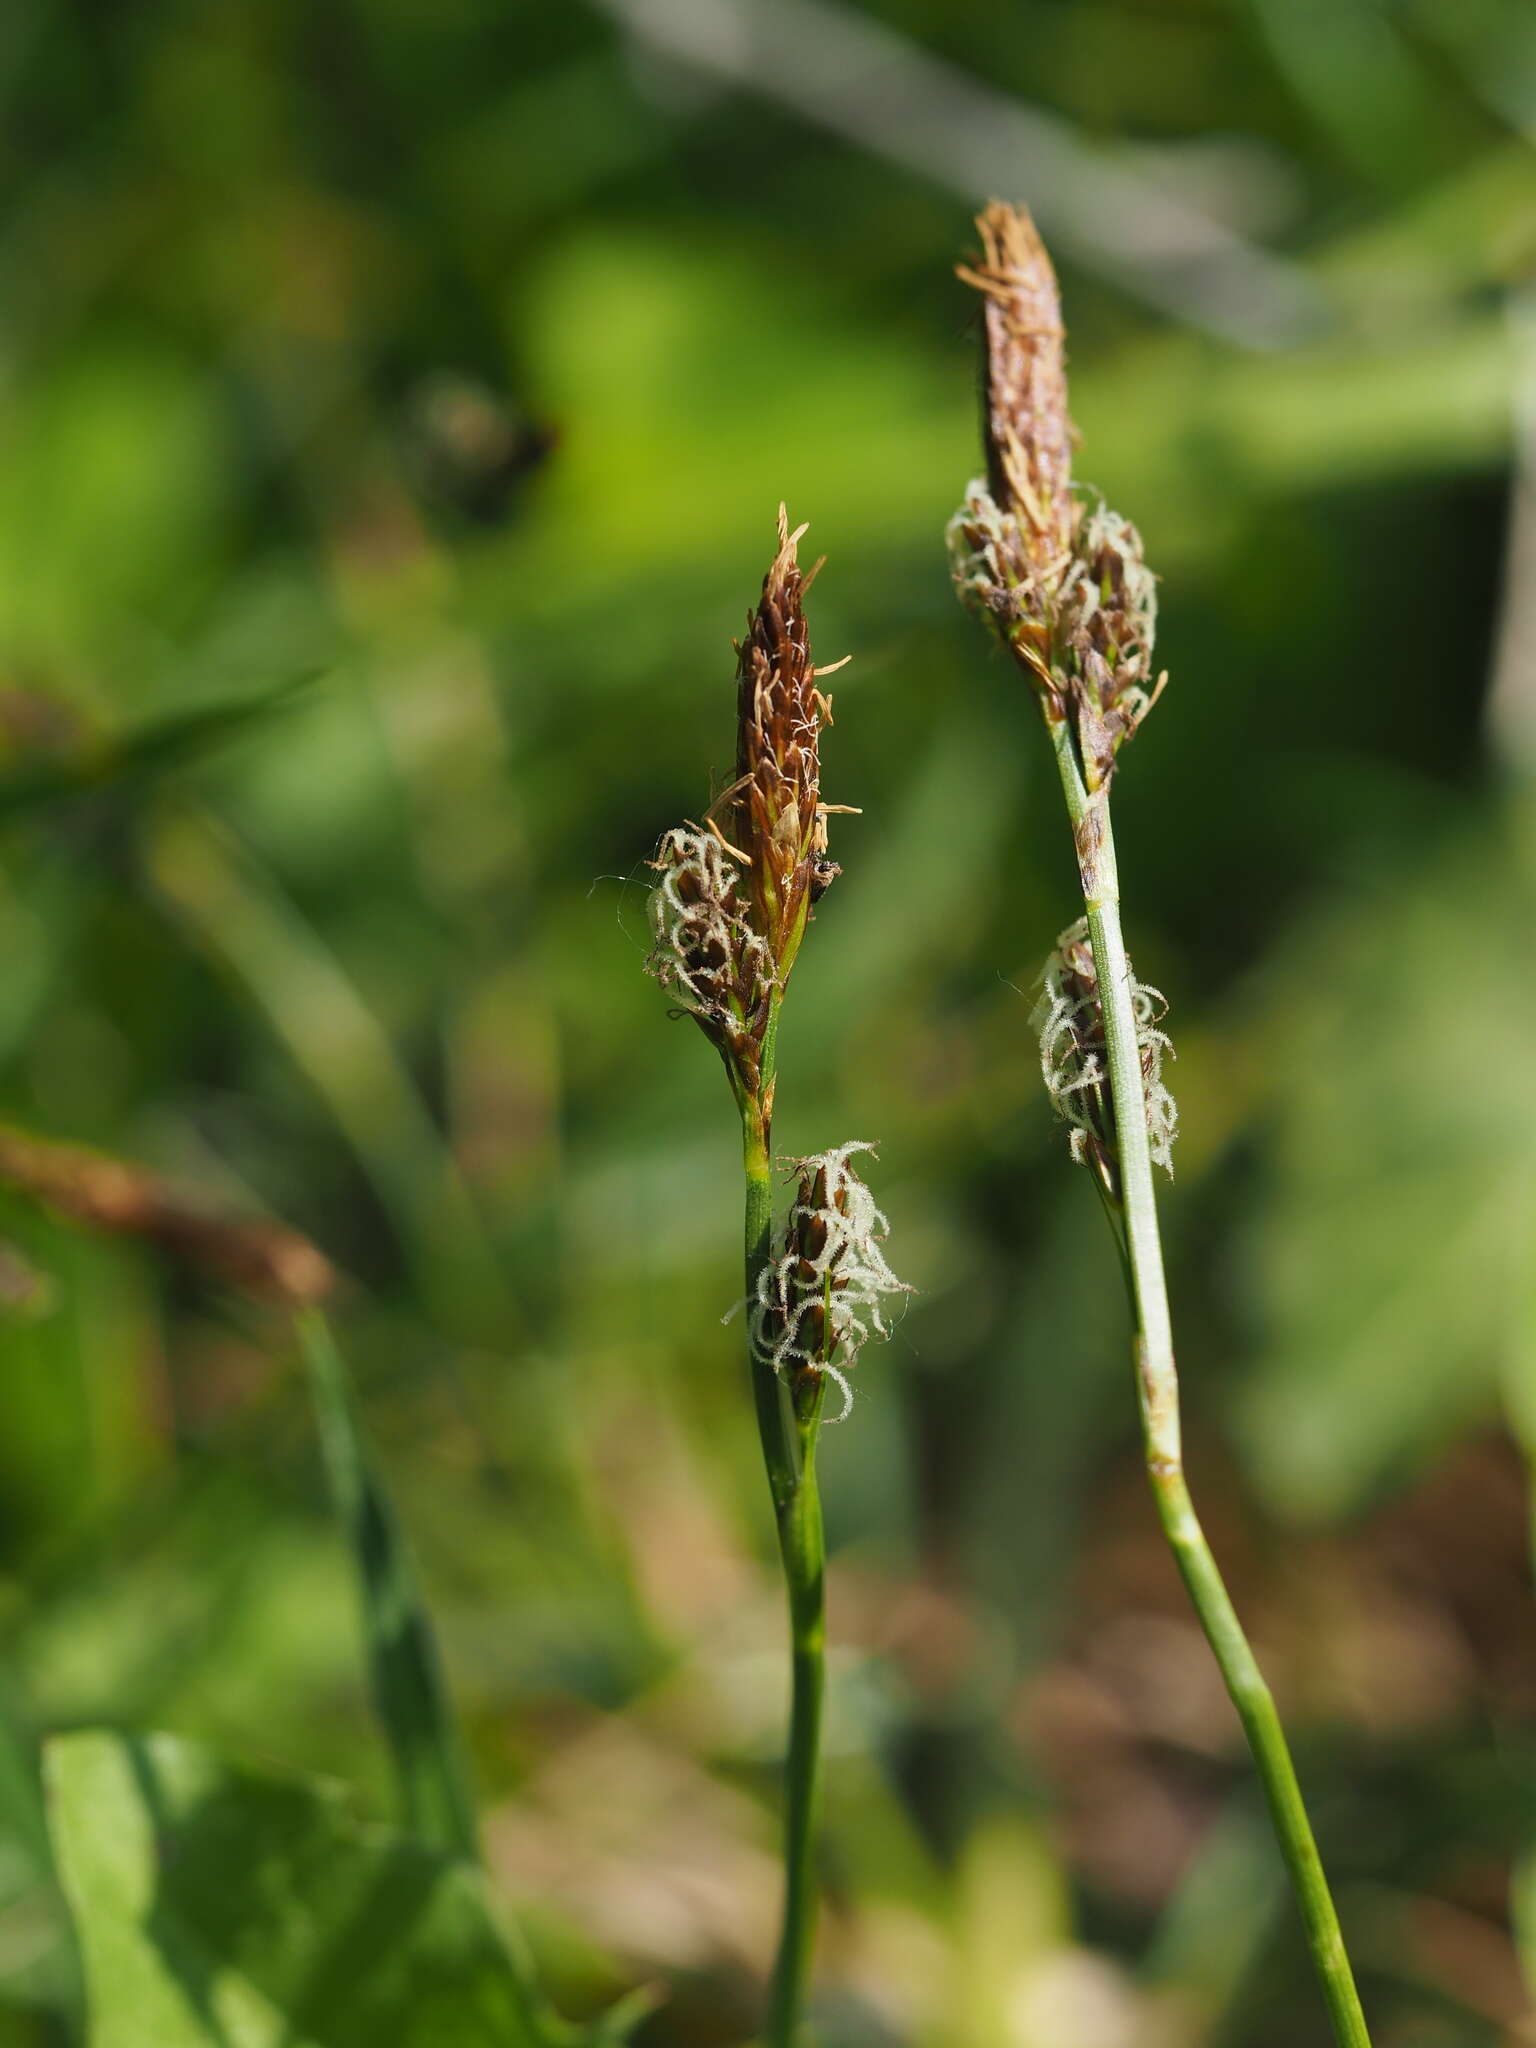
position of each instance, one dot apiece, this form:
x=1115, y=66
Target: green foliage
x=1392, y=1244
x=39, y=1970
x=220, y=1907
x=436, y=1802
x=348, y=960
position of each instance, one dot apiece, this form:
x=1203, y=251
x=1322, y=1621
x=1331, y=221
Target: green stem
x=802, y=1548
x=1158, y=1396
x=789, y=1454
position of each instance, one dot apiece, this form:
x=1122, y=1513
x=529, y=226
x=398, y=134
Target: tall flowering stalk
x=728, y=913
x=1063, y=583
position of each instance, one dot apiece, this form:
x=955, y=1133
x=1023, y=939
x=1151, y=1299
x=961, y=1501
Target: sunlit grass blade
x=410, y=1697
x=239, y=912
x=617, y=2025
x=220, y=1906
x=409, y=1694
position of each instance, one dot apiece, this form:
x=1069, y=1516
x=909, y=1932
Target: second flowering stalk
x=728, y=914
x=1063, y=582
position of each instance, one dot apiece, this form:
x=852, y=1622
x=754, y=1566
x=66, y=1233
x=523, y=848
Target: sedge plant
x=1063, y=583
x=728, y=913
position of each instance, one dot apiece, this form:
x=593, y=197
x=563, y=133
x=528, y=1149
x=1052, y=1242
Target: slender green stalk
x=728, y=915
x=802, y=1547
x=775, y=1412
x=789, y=1455
x=1158, y=1396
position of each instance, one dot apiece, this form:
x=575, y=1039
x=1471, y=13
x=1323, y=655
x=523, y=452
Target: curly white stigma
x=989, y=560
x=1073, y=1060
x=824, y=1293
x=703, y=946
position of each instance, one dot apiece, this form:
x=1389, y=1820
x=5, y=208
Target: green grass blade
x=242, y=916
x=409, y=1694
x=220, y=1906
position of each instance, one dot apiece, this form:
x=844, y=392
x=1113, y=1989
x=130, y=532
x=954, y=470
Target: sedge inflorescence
x=1075, y=1063
x=777, y=816
x=824, y=1292
x=732, y=902
x=1060, y=578
x=705, y=949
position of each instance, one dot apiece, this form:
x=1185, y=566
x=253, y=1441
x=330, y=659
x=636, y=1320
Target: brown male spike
x=730, y=909
x=1029, y=434
x=776, y=797
x=1062, y=581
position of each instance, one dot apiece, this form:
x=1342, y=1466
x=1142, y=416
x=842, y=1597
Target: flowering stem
x=1158, y=1397
x=802, y=1547
x=789, y=1453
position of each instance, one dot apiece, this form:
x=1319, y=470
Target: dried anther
x=1075, y=1064
x=1061, y=581
x=821, y=1297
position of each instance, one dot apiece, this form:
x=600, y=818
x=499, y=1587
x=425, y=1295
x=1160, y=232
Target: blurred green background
x=395, y=399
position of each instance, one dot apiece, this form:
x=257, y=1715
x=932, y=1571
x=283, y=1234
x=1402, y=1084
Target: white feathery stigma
x=1073, y=1060
x=824, y=1293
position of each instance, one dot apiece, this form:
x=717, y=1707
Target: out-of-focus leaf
x=37, y=1960
x=1013, y=1923
x=616, y=2026
x=1522, y=1913
x=1390, y=1244
x=1217, y=1921
x=223, y=1908
x=409, y=1694
x=1361, y=81
x=132, y=757
x=139, y=435
x=243, y=916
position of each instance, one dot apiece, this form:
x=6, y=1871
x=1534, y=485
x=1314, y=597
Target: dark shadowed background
x=395, y=400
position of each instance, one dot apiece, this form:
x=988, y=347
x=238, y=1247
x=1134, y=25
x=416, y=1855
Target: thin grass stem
x=789, y=1454
x=803, y=1549
x=1158, y=1399
x=409, y=1693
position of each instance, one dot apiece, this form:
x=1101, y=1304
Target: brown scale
x=1069, y=590
x=778, y=821
x=1028, y=428
x=770, y=824
x=778, y=764
x=1106, y=641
